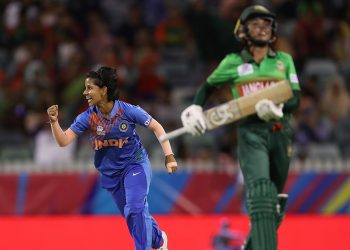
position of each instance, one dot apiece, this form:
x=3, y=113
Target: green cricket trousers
x=264, y=151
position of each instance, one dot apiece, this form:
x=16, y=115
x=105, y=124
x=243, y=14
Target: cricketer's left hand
x=170, y=163
x=267, y=110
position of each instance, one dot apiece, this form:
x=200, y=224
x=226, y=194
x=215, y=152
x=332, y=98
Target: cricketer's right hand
x=170, y=163
x=193, y=120
x=53, y=113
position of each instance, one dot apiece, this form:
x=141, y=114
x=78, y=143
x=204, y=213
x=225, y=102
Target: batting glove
x=193, y=120
x=267, y=110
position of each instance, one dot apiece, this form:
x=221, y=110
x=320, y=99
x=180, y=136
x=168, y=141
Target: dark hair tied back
x=106, y=77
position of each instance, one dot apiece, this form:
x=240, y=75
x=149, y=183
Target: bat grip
x=173, y=134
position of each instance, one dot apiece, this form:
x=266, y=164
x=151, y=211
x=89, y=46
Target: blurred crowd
x=163, y=50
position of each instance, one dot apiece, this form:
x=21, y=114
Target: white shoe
x=165, y=242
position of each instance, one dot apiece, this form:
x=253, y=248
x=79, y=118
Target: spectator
x=227, y=238
x=335, y=102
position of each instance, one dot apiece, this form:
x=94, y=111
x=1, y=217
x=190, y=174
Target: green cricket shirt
x=245, y=76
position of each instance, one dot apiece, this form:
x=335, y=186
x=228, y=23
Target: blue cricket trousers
x=130, y=195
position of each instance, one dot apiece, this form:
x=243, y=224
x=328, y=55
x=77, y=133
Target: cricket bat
x=239, y=108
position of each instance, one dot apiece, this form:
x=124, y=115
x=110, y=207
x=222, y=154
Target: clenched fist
x=53, y=113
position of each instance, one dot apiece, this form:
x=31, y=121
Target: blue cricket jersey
x=114, y=140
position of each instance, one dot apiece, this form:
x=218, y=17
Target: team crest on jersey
x=280, y=65
x=123, y=126
x=245, y=69
x=100, y=130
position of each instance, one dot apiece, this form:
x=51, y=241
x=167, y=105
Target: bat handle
x=173, y=134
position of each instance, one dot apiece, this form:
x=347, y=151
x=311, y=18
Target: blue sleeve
x=81, y=123
x=138, y=115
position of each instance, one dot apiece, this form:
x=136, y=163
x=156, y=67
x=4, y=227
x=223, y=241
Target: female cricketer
x=119, y=155
x=264, y=139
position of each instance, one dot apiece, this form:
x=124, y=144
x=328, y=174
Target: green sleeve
x=291, y=73
x=293, y=103
x=203, y=93
x=221, y=75
x=224, y=72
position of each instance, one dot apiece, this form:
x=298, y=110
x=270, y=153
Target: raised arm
x=63, y=138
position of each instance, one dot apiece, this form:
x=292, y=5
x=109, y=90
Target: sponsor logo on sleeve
x=293, y=78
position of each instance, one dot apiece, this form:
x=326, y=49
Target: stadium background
x=50, y=197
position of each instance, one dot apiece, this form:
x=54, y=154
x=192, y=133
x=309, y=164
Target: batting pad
x=281, y=211
x=261, y=203
x=281, y=208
